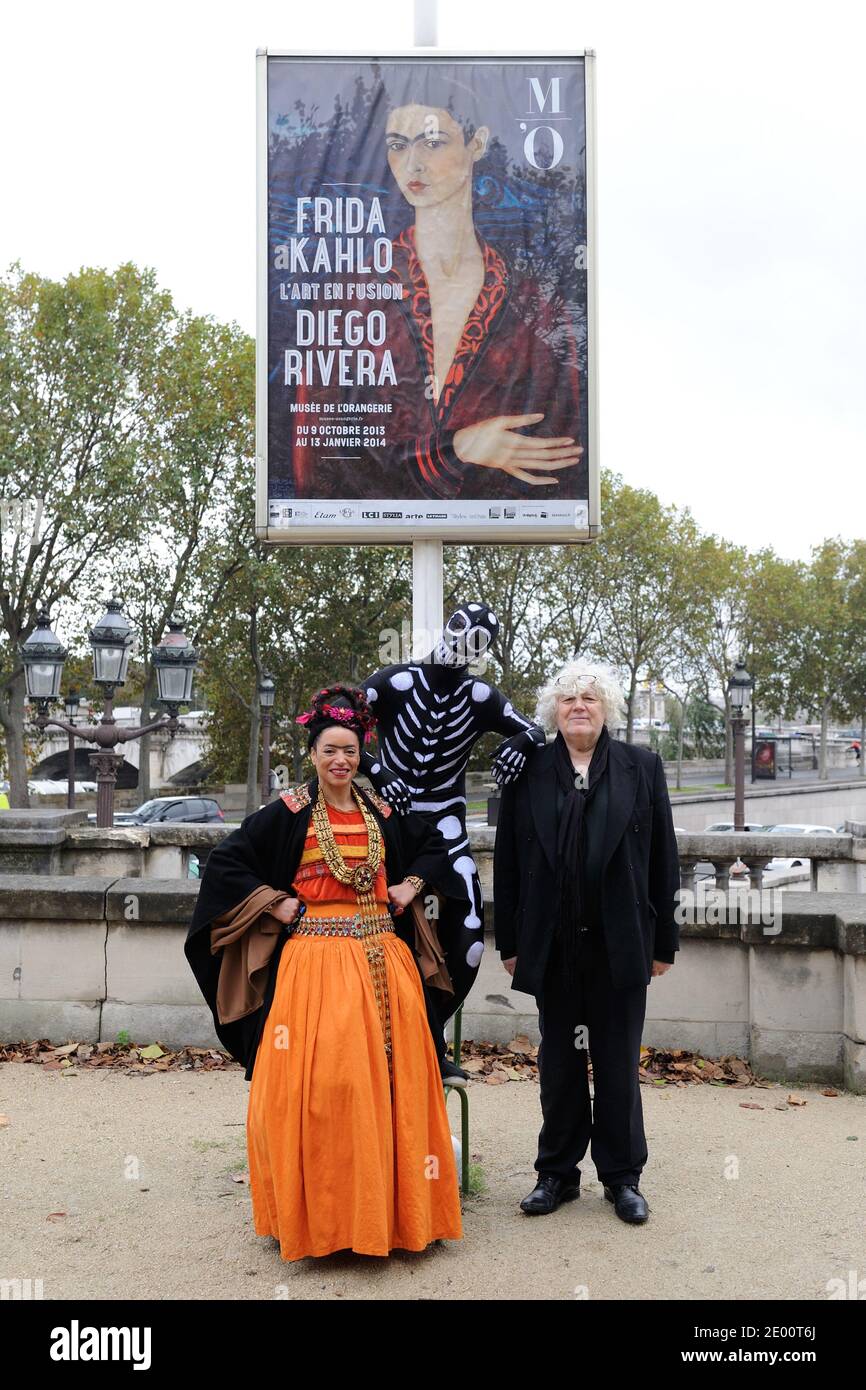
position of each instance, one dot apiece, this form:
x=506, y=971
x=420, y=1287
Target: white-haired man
x=586, y=872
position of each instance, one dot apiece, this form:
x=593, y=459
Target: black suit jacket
x=640, y=868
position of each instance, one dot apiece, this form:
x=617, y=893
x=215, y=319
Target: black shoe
x=548, y=1194
x=450, y=1071
x=628, y=1202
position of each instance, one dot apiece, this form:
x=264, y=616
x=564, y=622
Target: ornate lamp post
x=111, y=639
x=267, y=692
x=740, y=691
x=73, y=700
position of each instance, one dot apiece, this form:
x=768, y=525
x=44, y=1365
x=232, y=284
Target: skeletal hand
x=396, y=793
x=509, y=760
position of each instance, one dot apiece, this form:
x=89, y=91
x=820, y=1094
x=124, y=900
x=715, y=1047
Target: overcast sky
x=732, y=209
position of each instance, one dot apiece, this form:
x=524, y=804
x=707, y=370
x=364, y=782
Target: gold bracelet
x=416, y=882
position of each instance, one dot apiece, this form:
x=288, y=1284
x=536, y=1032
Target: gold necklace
x=360, y=876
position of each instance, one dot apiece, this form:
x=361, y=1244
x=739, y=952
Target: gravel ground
x=142, y=1167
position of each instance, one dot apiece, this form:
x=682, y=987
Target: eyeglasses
x=579, y=684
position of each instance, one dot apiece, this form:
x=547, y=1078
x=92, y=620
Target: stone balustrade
x=62, y=842
x=82, y=957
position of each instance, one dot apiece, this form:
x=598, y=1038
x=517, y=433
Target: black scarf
x=571, y=842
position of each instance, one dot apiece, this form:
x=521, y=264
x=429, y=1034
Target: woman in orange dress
x=348, y=1138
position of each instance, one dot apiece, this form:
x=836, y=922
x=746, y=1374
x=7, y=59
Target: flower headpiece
x=358, y=715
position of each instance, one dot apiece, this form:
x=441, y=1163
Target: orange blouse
x=323, y=894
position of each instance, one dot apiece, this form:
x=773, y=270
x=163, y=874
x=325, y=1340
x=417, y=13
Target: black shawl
x=266, y=849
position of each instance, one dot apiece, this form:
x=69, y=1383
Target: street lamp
x=111, y=640
x=267, y=693
x=175, y=660
x=740, y=686
x=73, y=700
x=43, y=656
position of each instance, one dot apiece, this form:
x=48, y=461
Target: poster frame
x=401, y=532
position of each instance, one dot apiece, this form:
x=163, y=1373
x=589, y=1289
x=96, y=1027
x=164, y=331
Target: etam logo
x=77, y=1343
x=544, y=102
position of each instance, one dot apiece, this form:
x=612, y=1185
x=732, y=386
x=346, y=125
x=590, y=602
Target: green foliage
x=135, y=426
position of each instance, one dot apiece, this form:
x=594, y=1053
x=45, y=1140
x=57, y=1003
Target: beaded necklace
x=360, y=876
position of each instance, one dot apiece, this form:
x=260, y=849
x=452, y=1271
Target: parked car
x=796, y=863
x=726, y=827
x=172, y=810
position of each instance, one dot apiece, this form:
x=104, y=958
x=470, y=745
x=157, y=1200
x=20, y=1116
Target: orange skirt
x=341, y=1158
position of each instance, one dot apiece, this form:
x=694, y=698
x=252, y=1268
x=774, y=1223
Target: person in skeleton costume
x=429, y=715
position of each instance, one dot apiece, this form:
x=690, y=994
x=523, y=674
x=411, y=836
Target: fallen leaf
x=828, y=1091
x=153, y=1051
x=65, y=1051
x=4, y=1120
x=750, y=1105
x=795, y=1100
x=55, y=1216
x=495, y=1078
x=520, y=1044
x=239, y=1177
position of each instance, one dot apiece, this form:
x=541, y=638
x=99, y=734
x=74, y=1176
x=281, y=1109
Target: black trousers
x=455, y=940
x=611, y=1022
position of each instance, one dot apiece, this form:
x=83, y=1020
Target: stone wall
x=82, y=957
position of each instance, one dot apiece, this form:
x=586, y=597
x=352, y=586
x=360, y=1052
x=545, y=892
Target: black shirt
x=596, y=823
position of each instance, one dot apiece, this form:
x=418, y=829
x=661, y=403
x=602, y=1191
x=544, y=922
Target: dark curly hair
x=338, y=704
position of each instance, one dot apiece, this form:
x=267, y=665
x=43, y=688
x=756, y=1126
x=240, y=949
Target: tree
x=72, y=359
x=853, y=693
x=195, y=467
x=823, y=650
x=643, y=561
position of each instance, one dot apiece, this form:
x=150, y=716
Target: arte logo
x=414, y=516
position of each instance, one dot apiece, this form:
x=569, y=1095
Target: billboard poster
x=425, y=355
x=764, y=761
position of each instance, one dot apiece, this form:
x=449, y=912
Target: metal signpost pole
x=427, y=556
